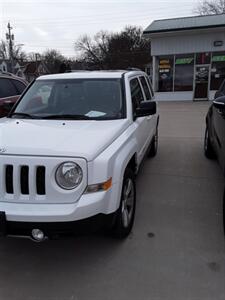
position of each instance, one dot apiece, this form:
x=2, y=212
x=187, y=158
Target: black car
x=221, y=90
x=214, y=145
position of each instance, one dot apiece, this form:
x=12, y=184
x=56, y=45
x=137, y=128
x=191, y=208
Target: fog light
x=38, y=235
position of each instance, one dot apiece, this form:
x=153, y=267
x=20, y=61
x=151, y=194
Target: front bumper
x=55, y=229
x=92, y=212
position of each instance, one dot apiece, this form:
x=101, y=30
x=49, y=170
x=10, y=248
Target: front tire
x=125, y=215
x=208, y=148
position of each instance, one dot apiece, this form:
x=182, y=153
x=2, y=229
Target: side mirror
x=146, y=108
x=219, y=103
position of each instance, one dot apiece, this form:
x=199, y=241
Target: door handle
x=148, y=118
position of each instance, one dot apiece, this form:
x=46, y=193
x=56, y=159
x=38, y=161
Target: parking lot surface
x=175, y=252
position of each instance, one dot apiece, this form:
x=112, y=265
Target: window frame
x=134, y=107
x=143, y=90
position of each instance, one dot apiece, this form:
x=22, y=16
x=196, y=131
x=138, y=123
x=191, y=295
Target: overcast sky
x=41, y=24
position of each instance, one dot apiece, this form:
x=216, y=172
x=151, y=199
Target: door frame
x=209, y=81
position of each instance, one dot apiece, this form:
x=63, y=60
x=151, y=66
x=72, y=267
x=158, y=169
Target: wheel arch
x=126, y=159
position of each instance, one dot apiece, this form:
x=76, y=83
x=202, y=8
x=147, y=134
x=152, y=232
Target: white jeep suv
x=70, y=149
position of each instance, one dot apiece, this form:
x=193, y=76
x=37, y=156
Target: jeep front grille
x=9, y=179
x=31, y=180
x=19, y=176
x=40, y=180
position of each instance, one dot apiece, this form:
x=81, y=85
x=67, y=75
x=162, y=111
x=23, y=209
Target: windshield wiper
x=27, y=116
x=66, y=117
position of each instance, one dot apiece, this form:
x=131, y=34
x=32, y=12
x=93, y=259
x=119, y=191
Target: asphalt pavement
x=175, y=252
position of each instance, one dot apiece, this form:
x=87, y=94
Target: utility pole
x=10, y=39
x=36, y=60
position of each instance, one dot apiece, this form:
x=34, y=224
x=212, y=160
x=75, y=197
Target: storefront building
x=188, y=57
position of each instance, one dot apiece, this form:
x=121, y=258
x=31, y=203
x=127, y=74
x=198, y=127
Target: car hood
x=85, y=139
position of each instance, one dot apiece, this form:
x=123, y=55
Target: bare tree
x=211, y=7
x=32, y=56
x=17, y=52
x=53, y=60
x=93, y=51
x=115, y=50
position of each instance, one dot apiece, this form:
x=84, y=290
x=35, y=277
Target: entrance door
x=201, y=82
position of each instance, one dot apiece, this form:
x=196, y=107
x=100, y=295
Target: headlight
x=68, y=175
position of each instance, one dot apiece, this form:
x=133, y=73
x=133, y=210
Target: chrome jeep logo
x=2, y=150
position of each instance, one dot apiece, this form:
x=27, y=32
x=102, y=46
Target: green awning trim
x=184, y=61
x=218, y=58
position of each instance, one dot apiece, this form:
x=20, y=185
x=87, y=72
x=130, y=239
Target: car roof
x=12, y=76
x=90, y=74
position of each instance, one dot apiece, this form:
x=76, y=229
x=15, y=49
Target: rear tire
x=124, y=217
x=208, y=148
x=154, y=145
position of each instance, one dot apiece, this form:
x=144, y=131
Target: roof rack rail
x=133, y=69
x=74, y=71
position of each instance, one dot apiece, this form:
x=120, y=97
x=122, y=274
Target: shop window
x=217, y=70
x=184, y=73
x=165, y=74
x=203, y=58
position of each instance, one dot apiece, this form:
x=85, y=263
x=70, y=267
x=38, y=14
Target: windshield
x=72, y=99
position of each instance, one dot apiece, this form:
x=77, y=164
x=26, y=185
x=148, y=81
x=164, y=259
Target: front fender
x=112, y=163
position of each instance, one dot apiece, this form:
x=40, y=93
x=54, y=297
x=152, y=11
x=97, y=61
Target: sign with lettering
x=184, y=61
x=218, y=58
x=218, y=43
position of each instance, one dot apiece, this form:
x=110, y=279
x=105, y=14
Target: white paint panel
x=174, y=96
x=187, y=43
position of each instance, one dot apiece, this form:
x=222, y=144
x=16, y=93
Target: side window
x=150, y=85
x=7, y=89
x=136, y=93
x=19, y=86
x=145, y=88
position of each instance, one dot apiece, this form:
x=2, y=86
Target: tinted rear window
x=7, y=89
x=19, y=86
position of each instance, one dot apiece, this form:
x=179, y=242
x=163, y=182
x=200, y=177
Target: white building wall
x=173, y=96
x=184, y=42
x=179, y=96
